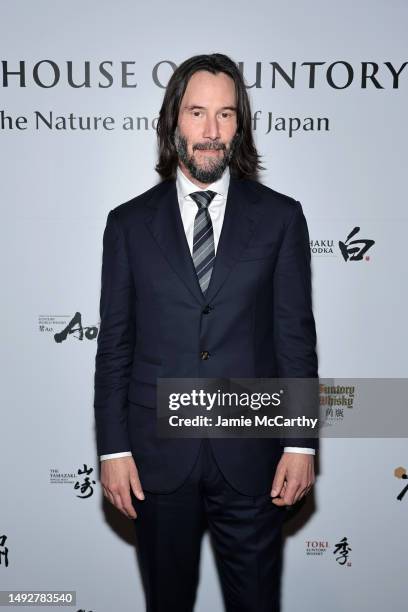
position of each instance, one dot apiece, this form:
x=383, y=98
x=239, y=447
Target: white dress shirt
x=188, y=211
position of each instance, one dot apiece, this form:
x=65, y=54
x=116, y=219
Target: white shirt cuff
x=115, y=455
x=299, y=449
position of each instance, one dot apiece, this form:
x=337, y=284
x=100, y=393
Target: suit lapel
x=165, y=223
x=241, y=211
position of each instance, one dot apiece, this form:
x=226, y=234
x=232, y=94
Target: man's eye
x=196, y=113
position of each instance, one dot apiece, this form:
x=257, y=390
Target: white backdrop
x=57, y=186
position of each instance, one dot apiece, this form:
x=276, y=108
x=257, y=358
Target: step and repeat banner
x=81, y=87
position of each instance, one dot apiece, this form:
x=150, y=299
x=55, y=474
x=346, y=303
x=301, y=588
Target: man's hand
x=294, y=477
x=117, y=476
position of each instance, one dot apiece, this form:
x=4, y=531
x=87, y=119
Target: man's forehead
x=203, y=78
x=200, y=95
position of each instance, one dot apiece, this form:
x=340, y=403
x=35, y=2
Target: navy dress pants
x=245, y=531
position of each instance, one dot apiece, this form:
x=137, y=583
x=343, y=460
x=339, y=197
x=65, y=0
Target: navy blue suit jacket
x=154, y=323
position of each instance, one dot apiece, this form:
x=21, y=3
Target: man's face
x=206, y=131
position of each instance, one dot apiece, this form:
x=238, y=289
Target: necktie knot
x=203, y=198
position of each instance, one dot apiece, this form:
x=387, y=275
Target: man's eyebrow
x=193, y=106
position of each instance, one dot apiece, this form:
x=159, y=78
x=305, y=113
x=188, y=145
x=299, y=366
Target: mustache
x=205, y=146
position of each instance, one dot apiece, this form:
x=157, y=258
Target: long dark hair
x=245, y=161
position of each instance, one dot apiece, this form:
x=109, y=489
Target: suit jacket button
x=207, y=309
x=204, y=354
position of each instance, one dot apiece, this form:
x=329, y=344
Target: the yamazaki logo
x=82, y=479
x=340, y=74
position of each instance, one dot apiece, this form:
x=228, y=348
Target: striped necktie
x=203, y=239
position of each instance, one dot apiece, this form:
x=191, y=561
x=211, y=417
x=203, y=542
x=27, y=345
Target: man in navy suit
x=206, y=274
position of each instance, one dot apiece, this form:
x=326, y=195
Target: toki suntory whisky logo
x=341, y=551
x=316, y=548
x=401, y=474
x=3, y=551
x=66, y=327
x=82, y=480
x=319, y=548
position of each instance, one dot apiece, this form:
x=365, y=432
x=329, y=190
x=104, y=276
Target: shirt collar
x=185, y=186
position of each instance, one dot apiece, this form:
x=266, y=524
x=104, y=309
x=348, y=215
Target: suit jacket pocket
x=261, y=251
x=146, y=372
x=142, y=386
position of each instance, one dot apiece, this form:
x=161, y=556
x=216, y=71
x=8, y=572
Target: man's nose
x=211, y=128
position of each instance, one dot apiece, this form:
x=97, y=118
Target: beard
x=212, y=169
